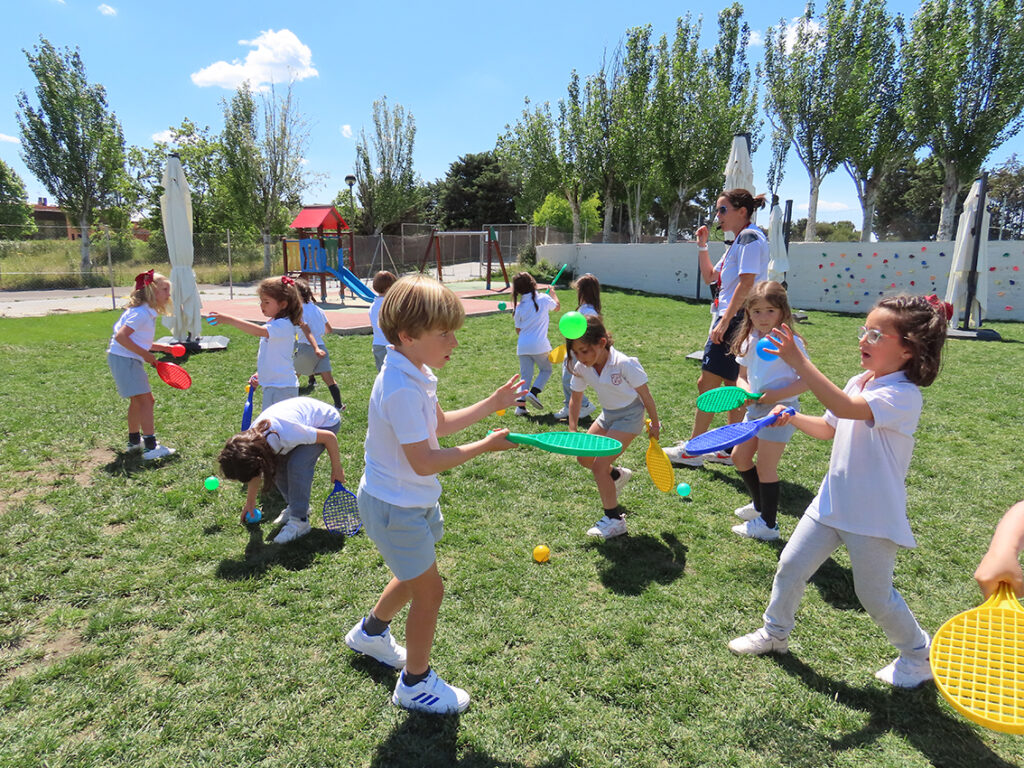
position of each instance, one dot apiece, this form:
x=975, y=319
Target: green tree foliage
x=964, y=93
x=555, y=213
x=388, y=190
x=1006, y=191
x=827, y=231
x=909, y=201
x=599, y=165
x=16, y=222
x=71, y=142
x=527, y=151
x=475, y=192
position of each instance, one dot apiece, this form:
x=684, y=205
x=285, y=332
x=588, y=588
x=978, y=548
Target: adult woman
x=745, y=262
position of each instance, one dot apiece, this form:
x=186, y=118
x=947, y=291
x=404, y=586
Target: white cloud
x=277, y=57
x=346, y=131
x=813, y=27
x=9, y=139
x=756, y=38
x=827, y=206
x=106, y=10
x=165, y=136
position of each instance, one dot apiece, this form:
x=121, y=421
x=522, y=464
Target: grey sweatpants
x=526, y=363
x=294, y=476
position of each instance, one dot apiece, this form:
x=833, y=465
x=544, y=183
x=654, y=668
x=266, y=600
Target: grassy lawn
x=141, y=625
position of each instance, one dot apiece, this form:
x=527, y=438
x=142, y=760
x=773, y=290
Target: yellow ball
x=541, y=553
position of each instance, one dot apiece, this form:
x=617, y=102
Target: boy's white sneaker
x=608, y=527
x=293, y=529
x=533, y=400
x=747, y=512
x=431, y=695
x=719, y=457
x=585, y=410
x=757, y=529
x=283, y=518
x=624, y=477
x=381, y=647
x=520, y=411
x=757, y=643
x=678, y=456
x=160, y=452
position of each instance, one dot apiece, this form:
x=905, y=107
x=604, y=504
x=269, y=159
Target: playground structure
x=315, y=255
x=492, y=246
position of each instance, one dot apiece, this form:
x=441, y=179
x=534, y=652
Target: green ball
x=572, y=325
x=683, y=489
x=502, y=305
x=212, y=483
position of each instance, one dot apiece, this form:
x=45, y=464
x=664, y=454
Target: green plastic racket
x=722, y=399
x=569, y=443
x=552, y=283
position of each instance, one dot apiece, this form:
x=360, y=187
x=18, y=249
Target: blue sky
x=461, y=68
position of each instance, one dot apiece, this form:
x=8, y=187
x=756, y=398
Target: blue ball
x=254, y=517
x=764, y=348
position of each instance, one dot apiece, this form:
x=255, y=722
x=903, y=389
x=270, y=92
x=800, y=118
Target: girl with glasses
x=862, y=502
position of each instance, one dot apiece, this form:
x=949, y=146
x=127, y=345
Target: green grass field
x=141, y=625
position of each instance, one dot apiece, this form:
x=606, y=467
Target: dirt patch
x=63, y=645
x=94, y=458
x=112, y=529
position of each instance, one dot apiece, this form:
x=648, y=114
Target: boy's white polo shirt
x=616, y=385
x=402, y=410
x=864, y=491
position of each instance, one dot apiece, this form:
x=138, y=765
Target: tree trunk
x=950, y=187
x=674, y=211
x=574, y=206
x=867, y=194
x=634, y=217
x=83, y=227
x=812, y=209
x=267, y=263
x=609, y=210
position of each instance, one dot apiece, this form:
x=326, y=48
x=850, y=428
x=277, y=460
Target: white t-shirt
x=315, y=318
x=616, y=385
x=294, y=422
x=532, y=322
x=402, y=410
x=142, y=321
x=762, y=374
x=379, y=339
x=587, y=310
x=748, y=255
x=274, y=360
x=864, y=491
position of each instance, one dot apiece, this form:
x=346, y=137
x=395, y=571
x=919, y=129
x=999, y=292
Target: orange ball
x=541, y=553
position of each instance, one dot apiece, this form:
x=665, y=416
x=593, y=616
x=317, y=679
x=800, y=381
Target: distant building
x=53, y=224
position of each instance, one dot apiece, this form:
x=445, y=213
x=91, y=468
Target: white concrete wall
x=838, y=277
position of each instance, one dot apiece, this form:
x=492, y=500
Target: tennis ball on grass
x=541, y=553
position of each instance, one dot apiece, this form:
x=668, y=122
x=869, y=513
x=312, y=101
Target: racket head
x=722, y=438
x=722, y=399
x=174, y=375
x=341, y=512
x=659, y=467
x=570, y=443
x=978, y=662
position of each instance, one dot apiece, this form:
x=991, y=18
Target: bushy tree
x=388, y=188
x=555, y=213
x=1006, y=192
x=475, y=192
x=909, y=201
x=16, y=222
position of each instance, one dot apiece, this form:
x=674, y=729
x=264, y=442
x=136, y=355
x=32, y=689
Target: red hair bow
x=287, y=280
x=941, y=306
x=143, y=279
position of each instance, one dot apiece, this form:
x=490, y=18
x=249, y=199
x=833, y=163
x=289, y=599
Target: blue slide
x=352, y=282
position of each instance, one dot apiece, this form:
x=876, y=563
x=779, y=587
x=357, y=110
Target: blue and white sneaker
x=382, y=647
x=431, y=695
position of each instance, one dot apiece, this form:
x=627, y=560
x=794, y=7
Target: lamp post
x=351, y=180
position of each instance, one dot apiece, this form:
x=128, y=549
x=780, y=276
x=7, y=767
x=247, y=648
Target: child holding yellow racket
x=1001, y=562
x=862, y=500
x=588, y=300
x=766, y=307
x=620, y=383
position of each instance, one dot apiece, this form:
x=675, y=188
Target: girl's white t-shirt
x=142, y=321
x=379, y=339
x=294, y=422
x=616, y=385
x=748, y=255
x=402, y=410
x=315, y=318
x=532, y=322
x=864, y=491
x=587, y=310
x=274, y=360
x=764, y=374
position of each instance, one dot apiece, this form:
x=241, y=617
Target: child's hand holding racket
x=782, y=415
x=497, y=440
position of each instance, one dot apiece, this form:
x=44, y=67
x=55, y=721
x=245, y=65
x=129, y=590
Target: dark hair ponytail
x=741, y=198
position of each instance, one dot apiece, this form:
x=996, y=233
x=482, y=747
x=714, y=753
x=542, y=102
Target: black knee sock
x=336, y=394
x=411, y=680
x=770, y=503
x=615, y=474
x=614, y=514
x=535, y=390
x=753, y=485
x=312, y=381
x=149, y=441
x=374, y=626
x=135, y=438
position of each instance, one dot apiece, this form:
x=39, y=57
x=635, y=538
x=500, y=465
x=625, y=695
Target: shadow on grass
x=914, y=716
x=261, y=556
x=634, y=562
x=424, y=741
x=130, y=463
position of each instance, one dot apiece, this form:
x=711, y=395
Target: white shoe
x=757, y=529
x=563, y=414
x=719, y=457
x=160, y=452
x=431, y=695
x=624, y=477
x=520, y=411
x=283, y=518
x=757, y=643
x=678, y=456
x=381, y=647
x=293, y=529
x=533, y=400
x=587, y=410
x=608, y=527
x=907, y=671
x=746, y=512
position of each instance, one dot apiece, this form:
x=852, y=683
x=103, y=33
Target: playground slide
x=353, y=283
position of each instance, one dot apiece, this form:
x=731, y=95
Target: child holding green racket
x=398, y=493
x=862, y=502
x=621, y=386
x=1001, y=562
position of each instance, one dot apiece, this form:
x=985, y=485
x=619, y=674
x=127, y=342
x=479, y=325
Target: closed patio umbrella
x=778, y=266
x=739, y=170
x=176, y=211
x=960, y=268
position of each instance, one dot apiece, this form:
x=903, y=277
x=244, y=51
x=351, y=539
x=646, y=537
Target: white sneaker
x=608, y=527
x=293, y=529
x=746, y=512
x=678, y=456
x=562, y=415
x=160, y=452
x=431, y=695
x=757, y=529
x=520, y=411
x=906, y=671
x=757, y=643
x=719, y=457
x=587, y=410
x=283, y=518
x=533, y=400
x=381, y=647
x=624, y=477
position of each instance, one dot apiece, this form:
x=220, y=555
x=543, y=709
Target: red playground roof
x=317, y=216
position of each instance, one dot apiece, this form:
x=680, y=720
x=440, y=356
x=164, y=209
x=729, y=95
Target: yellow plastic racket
x=977, y=658
x=658, y=465
x=557, y=354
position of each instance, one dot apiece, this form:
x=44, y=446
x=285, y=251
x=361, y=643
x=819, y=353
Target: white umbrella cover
x=960, y=267
x=176, y=211
x=778, y=265
x=739, y=171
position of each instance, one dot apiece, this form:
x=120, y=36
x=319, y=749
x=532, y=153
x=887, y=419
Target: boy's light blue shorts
x=405, y=536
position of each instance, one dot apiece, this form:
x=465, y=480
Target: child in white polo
x=399, y=491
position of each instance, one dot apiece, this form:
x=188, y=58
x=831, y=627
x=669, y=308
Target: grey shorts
x=129, y=375
x=405, y=536
x=771, y=434
x=379, y=352
x=307, y=363
x=273, y=395
x=629, y=419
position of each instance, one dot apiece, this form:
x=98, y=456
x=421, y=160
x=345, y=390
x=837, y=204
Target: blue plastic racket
x=247, y=410
x=730, y=435
x=341, y=513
